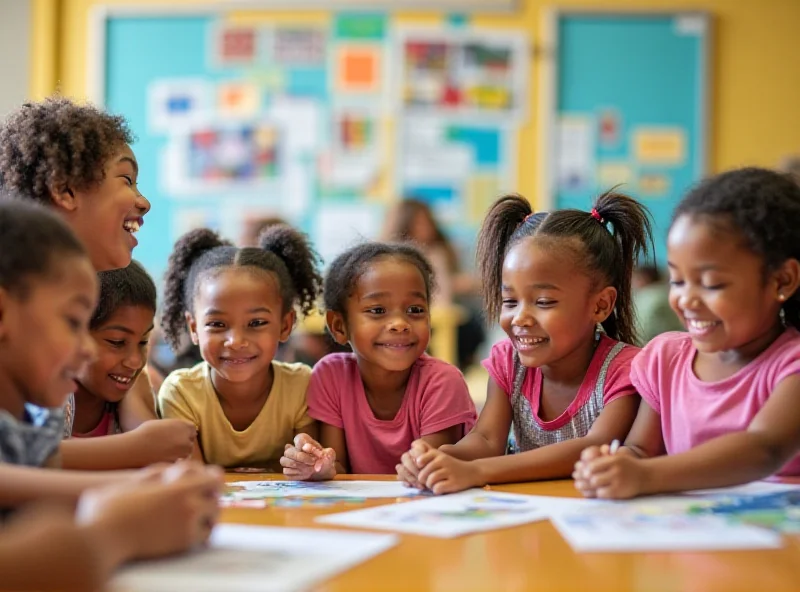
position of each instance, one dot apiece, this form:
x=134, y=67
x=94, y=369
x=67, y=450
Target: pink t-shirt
x=436, y=398
x=500, y=366
x=693, y=411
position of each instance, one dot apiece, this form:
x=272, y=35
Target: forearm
x=474, y=446
x=106, y=453
x=65, y=557
x=548, y=462
x=21, y=485
x=729, y=460
x=139, y=405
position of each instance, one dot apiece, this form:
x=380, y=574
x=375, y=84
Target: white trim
x=704, y=122
x=96, y=55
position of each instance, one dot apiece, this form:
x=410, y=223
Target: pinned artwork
x=175, y=104
x=297, y=46
x=238, y=99
x=230, y=154
x=235, y=45
x=358, y=68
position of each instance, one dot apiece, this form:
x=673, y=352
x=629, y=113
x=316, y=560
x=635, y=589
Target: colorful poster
x=176, y=104
x=238, y=99
x=233, y=154
x=463, y=72
x=363, y=26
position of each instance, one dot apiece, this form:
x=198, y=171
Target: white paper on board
x=300, y=121
x=175, y=105
x=247, y=558
x=575, y=153
x=340, y=225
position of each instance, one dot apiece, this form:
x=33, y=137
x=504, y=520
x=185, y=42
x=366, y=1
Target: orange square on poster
x=359, y=69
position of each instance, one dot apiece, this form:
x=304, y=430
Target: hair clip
x=596, y=215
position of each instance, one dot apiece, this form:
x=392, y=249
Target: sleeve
x=323, y=396
x=500, y=365
x=644, y=372
x=446, y=401
x=302, y=419
x=789, y=364
x=618, y=380
x=173, y=402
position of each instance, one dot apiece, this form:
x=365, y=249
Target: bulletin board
x=627, y=101
x=323, y=121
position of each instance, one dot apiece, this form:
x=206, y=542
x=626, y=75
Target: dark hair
x=32, y=241
x=129, y=286
x=348, y=267
x=55, y=144
x=608, y=254
x=282, y=251
x=400, y=223
x=760, y=205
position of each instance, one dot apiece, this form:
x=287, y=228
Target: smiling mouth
x=529, y=343
x=132, y=226
x=701, y=328
x=122, y=380
x=238, y=361
x=397, y=346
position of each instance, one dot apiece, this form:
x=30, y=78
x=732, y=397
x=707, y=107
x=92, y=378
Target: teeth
x=530, y=340
x=120, y=379
x=131, y=226
x=702, y=324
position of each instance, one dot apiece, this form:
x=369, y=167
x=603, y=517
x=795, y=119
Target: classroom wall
x=15, y=31
x=755, y=85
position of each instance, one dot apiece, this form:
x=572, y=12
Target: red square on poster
x=237, y=45
x=608, y=128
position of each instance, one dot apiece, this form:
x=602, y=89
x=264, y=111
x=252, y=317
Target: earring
x=782, y=316
x=598, y=331
x=781, y=297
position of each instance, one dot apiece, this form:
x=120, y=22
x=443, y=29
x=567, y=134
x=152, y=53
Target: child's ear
x=191, y=325
x=64, y=198
x=287, y=324
x=604, y=303
x=787, y=279
x=336, y=326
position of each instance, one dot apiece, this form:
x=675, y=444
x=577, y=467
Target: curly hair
x=202, y=253
x=129, y=286
x=347, y=268
x=608, y=255
x=33, y=240
x=57, y=144
x=759, y=205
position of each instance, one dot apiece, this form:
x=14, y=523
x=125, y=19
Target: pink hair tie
x=596, y=215
x=528, y=217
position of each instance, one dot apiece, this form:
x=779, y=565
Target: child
x=121, y=327
x=374, y=402
x=237, y=305
x=560, y=285
x=48, y=290
x=77, y=160
x=723, y=400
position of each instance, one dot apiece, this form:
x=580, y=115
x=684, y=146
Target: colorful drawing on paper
x=238, y=99
x=355, y=132
x=297, y=47
x=777, y=511
x=335, y=489
x=450, y=515
x=291, y=501
x=236, y=45
x=249, y=152
x=358, y=68
x=174, y=104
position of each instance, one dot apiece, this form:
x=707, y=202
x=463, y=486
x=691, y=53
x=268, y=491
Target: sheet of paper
x=340, y=225
x=575, y=153
x=448, y=516
x=365, y=489
x=245, y=558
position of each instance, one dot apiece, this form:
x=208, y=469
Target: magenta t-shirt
x=693, y=411
x=436, y=398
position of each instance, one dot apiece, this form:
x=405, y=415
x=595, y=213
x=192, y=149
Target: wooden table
x=535, y=557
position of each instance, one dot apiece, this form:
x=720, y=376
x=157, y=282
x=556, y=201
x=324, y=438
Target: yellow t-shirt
x=189, y=394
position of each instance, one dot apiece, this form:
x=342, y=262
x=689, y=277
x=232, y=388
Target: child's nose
x=399, y=323
x=523, y=317
x=235, y=339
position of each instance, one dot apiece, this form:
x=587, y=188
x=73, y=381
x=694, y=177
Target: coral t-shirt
x=436, y=398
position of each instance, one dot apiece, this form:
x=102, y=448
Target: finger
x=288, y=463
x=426, y=457
x=408, y=462
x=301, y=457
x=419, y=447
x=605, y=450
x=424, y=473
x=612, y=492
x=604, y=479
x=294, y=473
x=435, y=476
x=590, y=453
x=408, y=478
x=445, y=486
x=301, y=439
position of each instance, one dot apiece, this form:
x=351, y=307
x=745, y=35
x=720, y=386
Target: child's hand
x=307, y=459
x=166, y=440
x=408, y=469
x=610, y=476
x=157, y=517
x=444, y=474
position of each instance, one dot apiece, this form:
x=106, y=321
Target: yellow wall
x=755, y=86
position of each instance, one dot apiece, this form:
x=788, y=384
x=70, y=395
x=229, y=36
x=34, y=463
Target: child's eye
x=74, y=323
x=128, y=180
x=509, y=303
x=416, y=310
x=376, y=310
x=144, y=343
x=258, y=323
x=115, y=342
x=715, y=287
x=675, y=282
x=546, y=303
x=215, y=325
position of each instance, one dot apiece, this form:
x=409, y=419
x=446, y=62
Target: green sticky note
x=360, y=25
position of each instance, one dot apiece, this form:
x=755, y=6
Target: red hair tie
x=528, y=217
x=596, y=215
